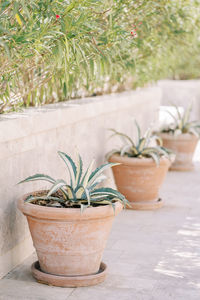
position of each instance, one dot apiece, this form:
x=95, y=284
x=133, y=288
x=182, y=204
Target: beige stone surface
x=151, y=255
x=29, y=142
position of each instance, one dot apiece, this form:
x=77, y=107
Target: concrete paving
x=151, y=255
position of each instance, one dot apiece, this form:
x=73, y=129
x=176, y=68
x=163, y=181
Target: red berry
x=57, y=17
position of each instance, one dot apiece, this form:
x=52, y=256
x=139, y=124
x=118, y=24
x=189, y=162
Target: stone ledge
x=60, y=114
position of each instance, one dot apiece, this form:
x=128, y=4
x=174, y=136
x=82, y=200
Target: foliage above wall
x=55, y=50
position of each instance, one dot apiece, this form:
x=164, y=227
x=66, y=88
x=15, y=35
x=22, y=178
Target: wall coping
x=14, y=125
x=191, y=83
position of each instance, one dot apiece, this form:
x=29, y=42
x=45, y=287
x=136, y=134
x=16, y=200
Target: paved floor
x=151, y=255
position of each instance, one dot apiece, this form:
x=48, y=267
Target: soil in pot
x=69, y=244
x=139, y=180
x=183, y=146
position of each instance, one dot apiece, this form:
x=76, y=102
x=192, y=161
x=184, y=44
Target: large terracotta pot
x=183, y=146
x=68, y=242
x=139, y=180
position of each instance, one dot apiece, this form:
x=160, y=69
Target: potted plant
x=70, y=223
x=142, y=169
x=182, y=137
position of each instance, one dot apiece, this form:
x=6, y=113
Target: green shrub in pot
x=181, y=136
x=70, y=224
x=143, y=166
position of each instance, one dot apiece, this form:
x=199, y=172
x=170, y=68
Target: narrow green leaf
x=87, y=196
x=71, y=194
x=124, y=149
x=38, y=177
x=138, y=131
x=107, y=191
x=174, y=118
x=135, y=151
x=110, y=153
x=83, y=207
x=187, y=113
x=70, y=165
x=56, y=186
x=122, y=135
x=79, y=170
x=80, y=191
x=86, y=176
x=98, y=171
x=155, y=157
x=141, y=145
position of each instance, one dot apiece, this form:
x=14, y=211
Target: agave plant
x=82, y=190
x=148, y=145
x=182, y=123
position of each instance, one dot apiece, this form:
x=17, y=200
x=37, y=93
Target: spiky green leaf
x=70, y=165
x=107, y=191
x=123, y=135
x=84, y=181
x=80, y=191
x=88, y=196
x=83, y=207
x=79, y=170
x=155, y=157
x=38, y=177
x=98, y=171
x=56, y=186
x=187, y=113
x=141, y=145
x=70, y=192
x=138, y=131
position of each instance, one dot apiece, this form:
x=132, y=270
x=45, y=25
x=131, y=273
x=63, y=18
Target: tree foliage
x=55, y=50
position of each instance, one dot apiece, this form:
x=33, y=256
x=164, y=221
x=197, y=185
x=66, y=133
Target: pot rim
x=66, y=214
x=144, y=161
x=182, y=136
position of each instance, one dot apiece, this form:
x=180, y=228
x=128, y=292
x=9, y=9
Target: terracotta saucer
x=145, y=205
x=68, y=281
x=182, y=167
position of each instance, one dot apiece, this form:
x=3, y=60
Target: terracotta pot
x=67, y=242
x=139, y=180
x=183, y=146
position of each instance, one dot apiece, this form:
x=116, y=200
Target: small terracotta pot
x=183, y=146
x=139, y=180
x=67, y=242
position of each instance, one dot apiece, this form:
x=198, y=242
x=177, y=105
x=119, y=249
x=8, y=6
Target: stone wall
x=29, y=142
